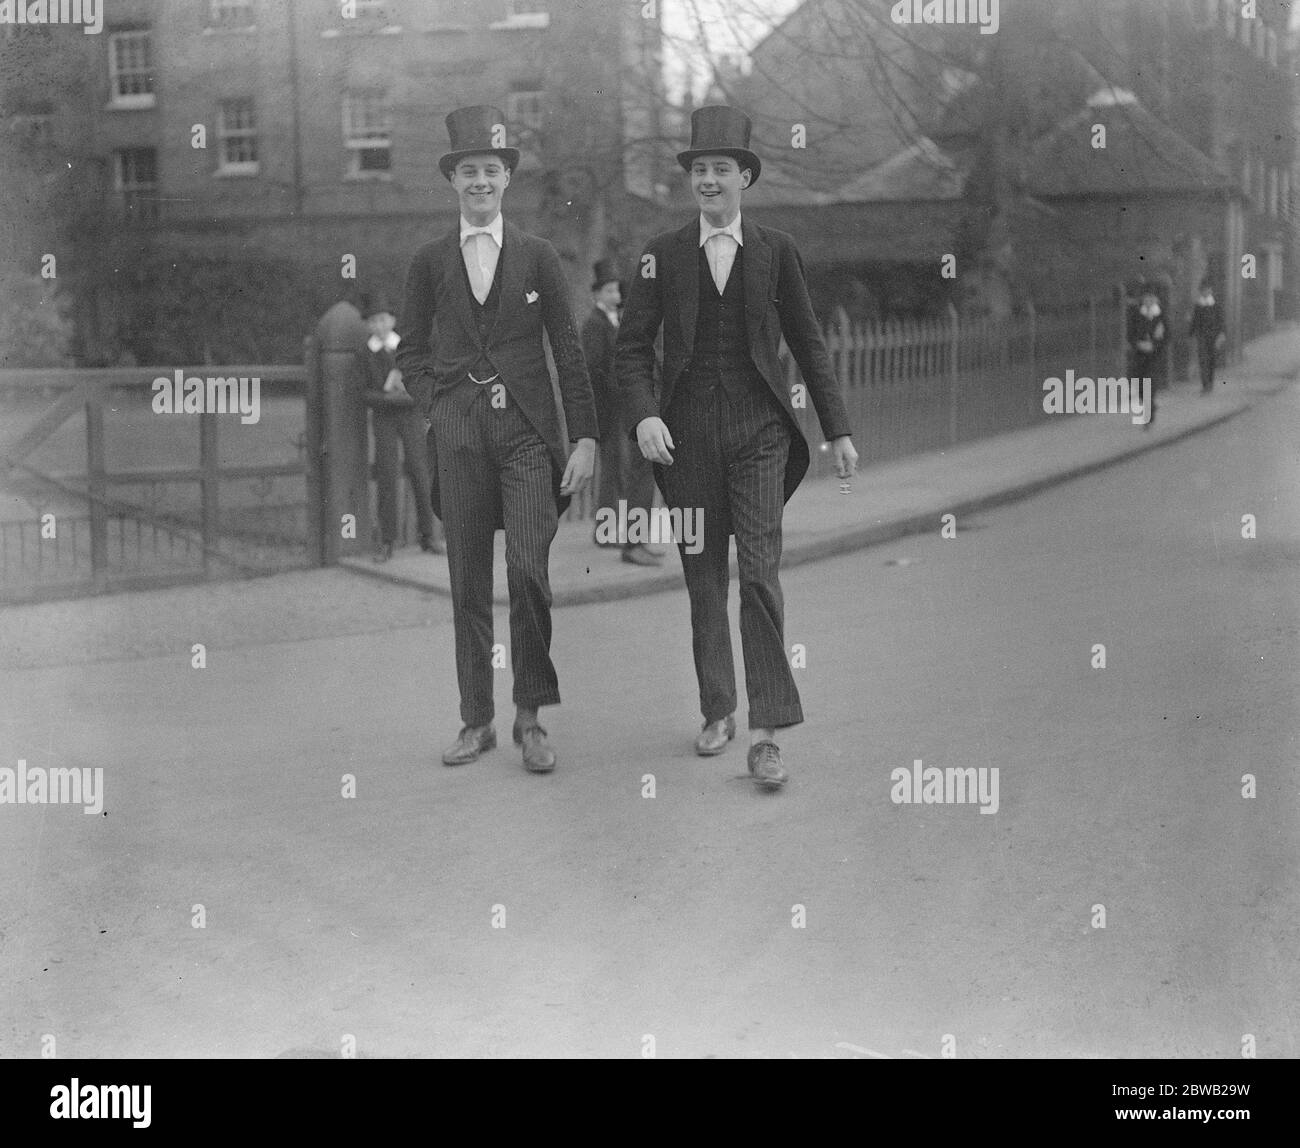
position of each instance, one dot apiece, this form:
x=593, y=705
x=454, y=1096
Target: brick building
x=305, y=131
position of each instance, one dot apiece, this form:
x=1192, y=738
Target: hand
x=1220, y=339
x=654, y=440
x=394, y=381
x=846, y=457
x=582, y=462
x=1145, y=346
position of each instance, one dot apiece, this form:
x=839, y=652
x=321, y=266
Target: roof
x=1142, y=155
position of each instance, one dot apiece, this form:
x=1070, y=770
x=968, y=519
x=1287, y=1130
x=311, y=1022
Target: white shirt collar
x=388, y=342
x=495, y=229
x=732, y=229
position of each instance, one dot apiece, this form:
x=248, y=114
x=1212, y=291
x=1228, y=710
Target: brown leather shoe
x=765, y=765
x=715, y=735
x=472, y=741
x=538, y=756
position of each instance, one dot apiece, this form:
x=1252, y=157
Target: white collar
x=494, y=229
x=387, y=343
x=732, y=229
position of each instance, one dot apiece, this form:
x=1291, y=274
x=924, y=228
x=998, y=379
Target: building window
x=231, y=14
x=1244, y=25
x=1257, y=37
x=130, y=70
x=525, y=14
x=33, y=130
x=1270, y=46
x=525, y=109
x=1284, y=194
x=367, y=134
x=237, y=138
x=1260, y=182
x=136, y=179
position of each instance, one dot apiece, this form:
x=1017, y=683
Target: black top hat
x=375, y=303
x=476, y=131
x=721, y=130
x=604, y=271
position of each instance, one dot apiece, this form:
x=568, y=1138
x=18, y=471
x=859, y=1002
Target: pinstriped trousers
x=729, y=462
x=492, y=461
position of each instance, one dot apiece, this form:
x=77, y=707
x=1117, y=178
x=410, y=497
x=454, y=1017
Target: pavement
x=281, y=868
x=897, y=498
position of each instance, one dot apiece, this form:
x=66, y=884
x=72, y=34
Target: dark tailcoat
x=440, y=344
x=665, y=290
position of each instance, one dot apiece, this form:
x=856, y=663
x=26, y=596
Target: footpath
x=907, y=496
x=886, y=501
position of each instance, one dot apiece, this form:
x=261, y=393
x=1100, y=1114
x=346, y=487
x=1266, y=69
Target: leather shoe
x=472, y=741
x=715, y=735
x=384, y=553
x=538, y=756
x=638, y=555
x=765, y=765
x=432, y=544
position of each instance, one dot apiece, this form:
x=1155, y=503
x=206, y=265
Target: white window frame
x=223, y=15
x=132, y=191
x=233, y=134
x=131, y=100
x=523, y=14
x=355, y=137
x=531, y=120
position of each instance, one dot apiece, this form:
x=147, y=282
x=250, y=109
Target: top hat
x=375, y=303
x=721, y=130
x=476, y=131
x=604, y=271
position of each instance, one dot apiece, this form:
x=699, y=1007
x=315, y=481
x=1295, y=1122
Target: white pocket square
x=531, y=296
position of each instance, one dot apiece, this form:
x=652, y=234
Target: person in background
x=1147, y=334
x=1207, y=330
x=624, y=473
x=394, y=420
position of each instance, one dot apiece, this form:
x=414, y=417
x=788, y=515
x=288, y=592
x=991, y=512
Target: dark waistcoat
x=720, y=356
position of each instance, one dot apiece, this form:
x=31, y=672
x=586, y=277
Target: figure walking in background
x=1147, y=334
x=1207, y=330
x=624, y=473
x=395, y=422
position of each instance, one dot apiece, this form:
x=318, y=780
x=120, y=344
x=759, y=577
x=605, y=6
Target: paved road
x=671, y=917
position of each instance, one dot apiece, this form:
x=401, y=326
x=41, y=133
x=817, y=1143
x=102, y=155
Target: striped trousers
x=729, y=461
x=491, y=461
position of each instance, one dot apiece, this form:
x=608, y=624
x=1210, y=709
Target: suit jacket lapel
x=512, y=275
x=758, y=266
x=688, y=277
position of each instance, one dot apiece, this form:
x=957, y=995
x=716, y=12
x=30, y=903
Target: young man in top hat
x=624, y=474
x=395, y=421
x=722, y=431
x=477, y=303
x=1207, y=329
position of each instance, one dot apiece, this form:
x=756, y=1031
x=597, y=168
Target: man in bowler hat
x=477, y=303
x=722, y=431
x=396, y=424
x=624, y=474
x=1207, y=329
